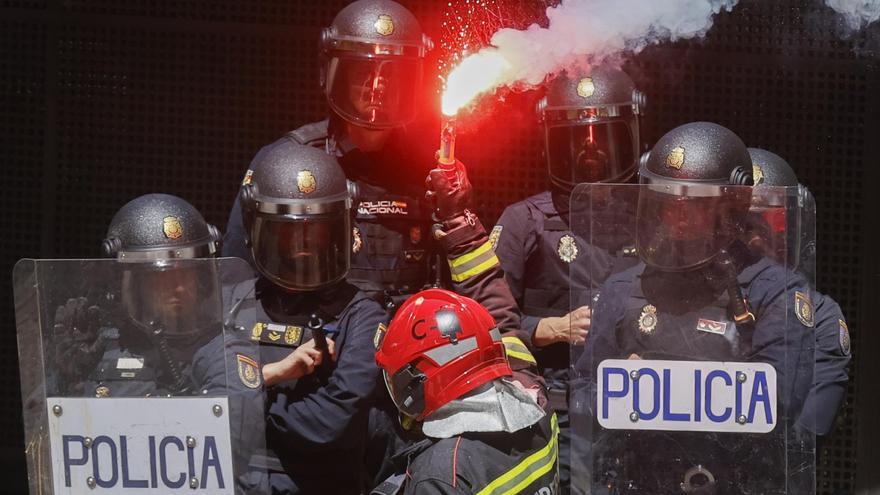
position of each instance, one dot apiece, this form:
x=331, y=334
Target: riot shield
x=132, y=380
x=700, y=355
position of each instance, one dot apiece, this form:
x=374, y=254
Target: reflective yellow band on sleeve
x=529, y=470
x=517, y=350
x=473, y=263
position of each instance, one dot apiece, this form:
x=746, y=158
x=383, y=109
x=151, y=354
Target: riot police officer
x=797, y=250
x=445, y=367
x=372, y=59
x=296, y=204
x=161, y=330
x=591, y=134
x=701, y=294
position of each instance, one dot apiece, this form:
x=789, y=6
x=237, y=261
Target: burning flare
x=476, y=74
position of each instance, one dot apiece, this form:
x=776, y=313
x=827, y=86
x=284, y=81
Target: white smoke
x=856, y=13
x=597, y=29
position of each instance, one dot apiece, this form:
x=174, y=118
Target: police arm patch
x=803, y=308
x=379, y=335
x=843, y=338
x=248, y=371
x=494, y=235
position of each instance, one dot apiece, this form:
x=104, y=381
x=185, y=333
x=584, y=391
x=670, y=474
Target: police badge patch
x=567, y=249
x=384, y=25
x=356, y=241
x=248, y=371
x=292, y=335
x=495, y=234
x=648, y=319
x=257, y=331
x=586, y=88
x=803, y=308
x=675, y=158
x=171, y=227
x=379, y=335
x=306, y=182
x=843, y=337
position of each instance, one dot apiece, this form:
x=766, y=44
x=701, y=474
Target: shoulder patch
x=843, y=338
x=567, y=248
x=495, y=234
x=379, y=336
x=803, y=308
x=248, y=371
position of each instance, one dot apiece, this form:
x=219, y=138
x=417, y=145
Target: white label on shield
x=636, y=394
x=148, y=446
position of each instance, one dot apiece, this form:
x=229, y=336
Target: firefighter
x=482, y=431
x=296, y=204
x=591, y=134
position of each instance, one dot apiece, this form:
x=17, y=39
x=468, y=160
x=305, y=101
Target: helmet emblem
x=567, y=249
x=448, y=325
x=648, y=319
x=384, y=25
x=248, y=178
x=757, y=174
x=675, y=158
x=356, y=241
x=586, y=88
x=171, y=227
x=305, y=181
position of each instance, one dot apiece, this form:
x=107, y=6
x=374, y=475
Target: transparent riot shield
x=131, y=381
x=699, y=360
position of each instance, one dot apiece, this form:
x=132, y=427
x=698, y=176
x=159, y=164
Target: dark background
x=101, y=101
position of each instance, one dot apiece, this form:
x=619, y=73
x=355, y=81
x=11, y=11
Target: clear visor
x=302, y=253
x=594, y=152
x=377, y=92
x=682, y=232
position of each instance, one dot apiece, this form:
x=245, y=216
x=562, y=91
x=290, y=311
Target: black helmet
x=689, y=212
x=157, y=227
x=777, y=195
x=373, y=54
x=296, y=205
x=156, y=236
x=591, y=127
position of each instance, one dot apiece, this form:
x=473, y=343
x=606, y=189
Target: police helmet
x=373, y=54
x=296, y=204
x=157, y=238
x=691, y=207
x=783, y=212
x=591, y=127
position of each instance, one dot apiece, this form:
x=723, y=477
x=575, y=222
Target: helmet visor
x=406, y=390
x=378, y=92
x=302, y=253
x=679, y=232
x=594, y=152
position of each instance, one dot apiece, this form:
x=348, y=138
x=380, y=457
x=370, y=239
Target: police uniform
x=672, y=325
x=391, y=243
x=315, y=425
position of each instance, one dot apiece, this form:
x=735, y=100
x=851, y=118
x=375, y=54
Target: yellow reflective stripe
x=482, y=267
x=471, y=255
x=516, y=349
x=531, y=468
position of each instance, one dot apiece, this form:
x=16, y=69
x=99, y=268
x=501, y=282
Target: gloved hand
x=449, y=192
x=78, y=342
x=571, y=328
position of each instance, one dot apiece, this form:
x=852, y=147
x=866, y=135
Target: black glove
x=78, y=342
x=449, y=192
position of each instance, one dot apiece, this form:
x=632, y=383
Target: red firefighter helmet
x=439, y=347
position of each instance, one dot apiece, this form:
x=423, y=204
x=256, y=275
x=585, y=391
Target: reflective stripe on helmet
x=529, y=470
x=517, y=350
x=473, y=263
